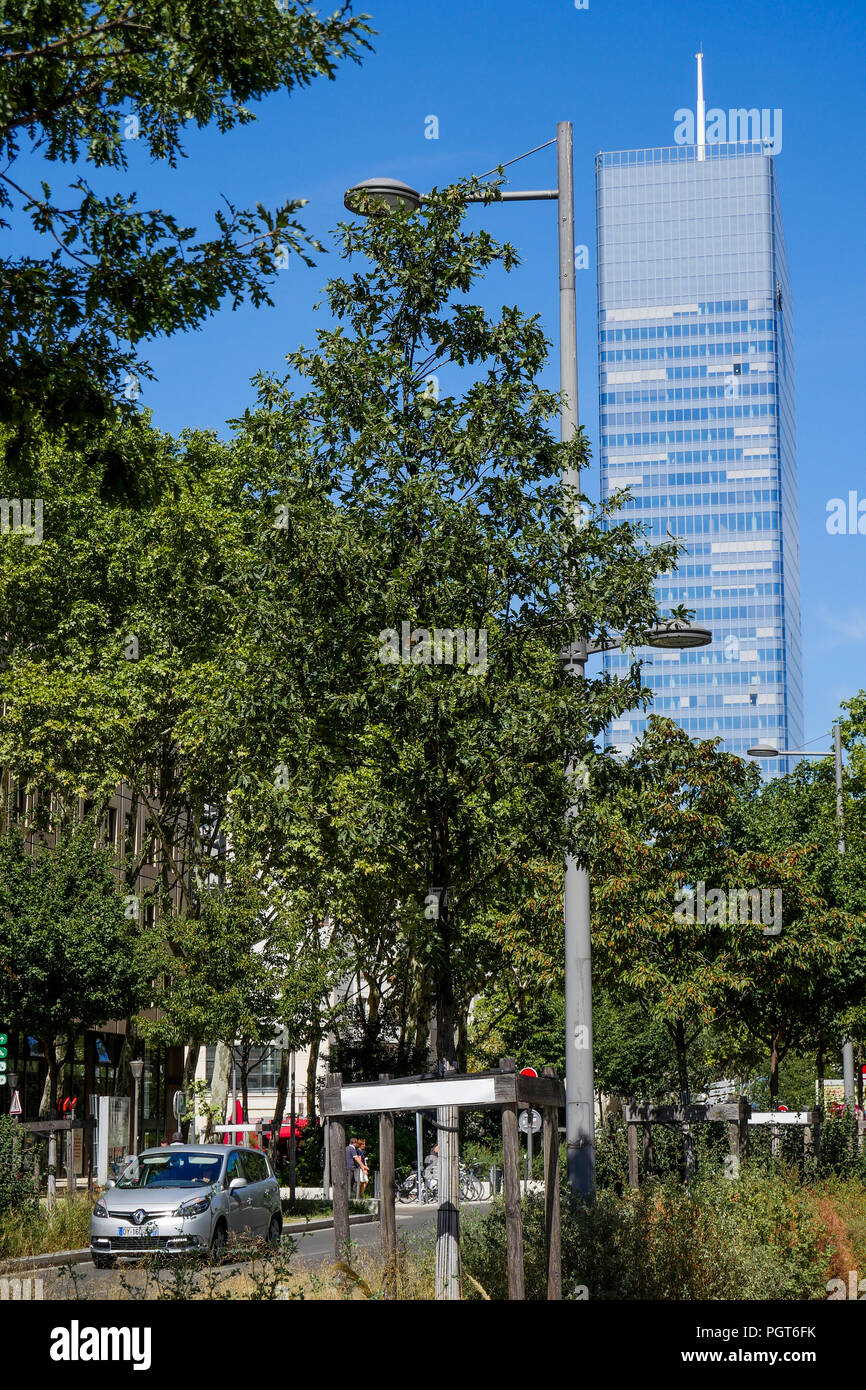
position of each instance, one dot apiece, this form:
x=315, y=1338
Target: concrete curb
x=57, y=1258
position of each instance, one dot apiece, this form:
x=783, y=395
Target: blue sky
x=499, y=74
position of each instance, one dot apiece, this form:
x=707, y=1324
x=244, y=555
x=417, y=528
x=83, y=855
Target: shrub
x=759, y=1237
x=17, y=1183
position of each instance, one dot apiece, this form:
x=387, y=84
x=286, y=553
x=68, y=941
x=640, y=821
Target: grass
x=37, y=1231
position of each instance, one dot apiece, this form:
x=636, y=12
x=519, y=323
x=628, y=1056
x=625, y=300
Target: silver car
x=186, y=1198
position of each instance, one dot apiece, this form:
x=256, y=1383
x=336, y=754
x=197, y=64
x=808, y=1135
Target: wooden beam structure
x=506, y=1090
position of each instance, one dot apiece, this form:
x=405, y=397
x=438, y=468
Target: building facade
x=696, y=381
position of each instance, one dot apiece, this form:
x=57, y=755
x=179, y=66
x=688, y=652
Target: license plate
x=138, y=1231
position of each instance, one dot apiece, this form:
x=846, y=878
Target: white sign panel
x=418, y=1095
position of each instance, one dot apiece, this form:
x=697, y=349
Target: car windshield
x=172, y=1170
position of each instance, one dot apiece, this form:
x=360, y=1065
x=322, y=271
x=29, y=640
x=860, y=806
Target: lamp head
x=136, y=1068
x=678, y=636
x=381, y=196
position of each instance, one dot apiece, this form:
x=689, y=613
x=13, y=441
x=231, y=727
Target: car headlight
x=194, y=1207
x=101, y=1210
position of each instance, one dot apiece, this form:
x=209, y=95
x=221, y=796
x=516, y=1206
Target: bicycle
x=407, y=1189
x=471, y=1187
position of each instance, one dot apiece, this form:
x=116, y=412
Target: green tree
x=815, y=1000
x=69, y=957
x=425, y=427
x=78, y=83
x=672, y=826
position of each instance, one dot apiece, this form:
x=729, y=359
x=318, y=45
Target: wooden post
x=448, y=1216
x=688, y=1151
x=552, y=1225
x=738, y=1136
x=511, y=1184
x=387, y=1198
x=633, y=1169
x=339, y=1177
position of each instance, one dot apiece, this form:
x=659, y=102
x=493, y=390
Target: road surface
x=85, y=1281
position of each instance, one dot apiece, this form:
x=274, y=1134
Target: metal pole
x=848, y=1081
x=579, y=1071
x=292, y=1135
x=840, y=816
x=136, y=1083
x=419, y=1151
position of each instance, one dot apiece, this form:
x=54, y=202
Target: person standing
x=363, y=1167
x=353, y=1164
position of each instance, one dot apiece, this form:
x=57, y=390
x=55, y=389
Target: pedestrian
x=363, y=1168
x=353, y=1164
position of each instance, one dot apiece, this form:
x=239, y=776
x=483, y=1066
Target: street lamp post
x=136, y=1068
x=762, y=750
x=389, y=194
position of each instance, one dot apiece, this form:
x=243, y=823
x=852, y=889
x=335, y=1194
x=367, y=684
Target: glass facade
x=696, y=381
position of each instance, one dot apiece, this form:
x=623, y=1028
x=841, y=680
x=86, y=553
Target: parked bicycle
x=471, y=1186
x=407, y=1189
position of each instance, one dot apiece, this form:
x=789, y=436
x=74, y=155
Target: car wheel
x=103, y=1261
x=218, y=1242
x=275, y=1230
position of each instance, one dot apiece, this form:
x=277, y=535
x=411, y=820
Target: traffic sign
x=178, y=1104
x=15, y=1107
x=529, y=1121
x=3, y=1064
x=4, y=1038
x=4, y=1051
x=529, y=1071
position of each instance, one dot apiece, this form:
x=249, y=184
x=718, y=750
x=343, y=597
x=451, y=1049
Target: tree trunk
x=774, y=1068
x=312, y=1074
x=49, y=1047
x=219, y=1087
x=682, y=1061
x=819, y=1069
x=245, y=1089
x=189, y=1070
x=280, y=1103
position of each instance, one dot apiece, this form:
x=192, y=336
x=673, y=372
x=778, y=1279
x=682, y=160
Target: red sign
x=529, y=1071
x=15, y=1107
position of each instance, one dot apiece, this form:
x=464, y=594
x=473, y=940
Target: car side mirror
x=110, y=1183
x=237, y=1183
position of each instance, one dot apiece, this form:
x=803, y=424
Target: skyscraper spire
x=701, y=134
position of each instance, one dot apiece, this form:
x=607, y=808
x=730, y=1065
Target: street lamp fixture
x=377, y=197
x=678, y=636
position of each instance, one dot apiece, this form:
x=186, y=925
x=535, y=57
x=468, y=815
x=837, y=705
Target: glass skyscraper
x=696, y=380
